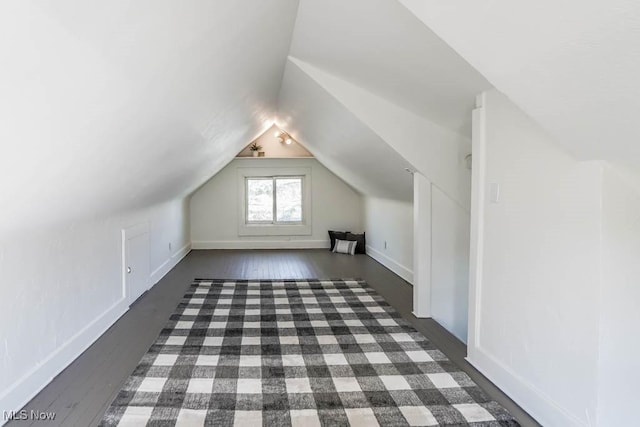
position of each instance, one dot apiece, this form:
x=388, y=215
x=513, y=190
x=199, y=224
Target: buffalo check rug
x=296, y=353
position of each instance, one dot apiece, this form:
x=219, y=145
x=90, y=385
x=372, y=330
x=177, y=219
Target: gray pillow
x=345, y=246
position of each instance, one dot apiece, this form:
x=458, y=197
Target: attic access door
x=135, y=261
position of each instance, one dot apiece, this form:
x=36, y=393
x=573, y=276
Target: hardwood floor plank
x=83, y=391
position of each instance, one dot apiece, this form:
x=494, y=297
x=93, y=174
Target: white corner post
x=421, y=245
x=478, y=184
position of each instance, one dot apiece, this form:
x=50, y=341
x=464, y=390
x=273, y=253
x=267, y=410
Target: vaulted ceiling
x=339, y=140
x=381, y=46
x=571, y=65
x=114, y=106
x=122, y=104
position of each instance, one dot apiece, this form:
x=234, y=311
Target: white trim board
x=391, y=264
x=168, y=265
x=533, y=400
x=260, y=244
x=476, y=221
x=422, y=245
x=27, y=387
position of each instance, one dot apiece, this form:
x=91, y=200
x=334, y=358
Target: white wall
x=619, y=366
x=390, y=221
x=437, y=153
x=533, y=326
x=274, y=147
x=449, y=263
x=61, y=288
x=215, y=208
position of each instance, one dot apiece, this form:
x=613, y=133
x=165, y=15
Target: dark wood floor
x=83, y=391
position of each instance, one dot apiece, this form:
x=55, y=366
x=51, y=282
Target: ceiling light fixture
x=284, y=137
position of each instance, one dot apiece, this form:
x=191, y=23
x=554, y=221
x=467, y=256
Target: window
x=274, y=200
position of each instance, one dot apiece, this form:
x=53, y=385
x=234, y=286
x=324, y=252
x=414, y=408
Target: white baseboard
x=391, y=264
x=533, y=400
x=27, y=387
x=171, y=262
x=260, y=244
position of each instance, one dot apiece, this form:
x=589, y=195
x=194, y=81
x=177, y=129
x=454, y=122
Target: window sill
x=274, y=230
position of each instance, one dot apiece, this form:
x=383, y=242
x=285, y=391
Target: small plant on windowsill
x=255, y=148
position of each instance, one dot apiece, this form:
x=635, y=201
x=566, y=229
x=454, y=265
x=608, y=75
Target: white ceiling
x=339, y=140
x=125, y=104
x=426, y=147
x=572, y=65
x=122, y=104
x=382, y=47
x=113, y=106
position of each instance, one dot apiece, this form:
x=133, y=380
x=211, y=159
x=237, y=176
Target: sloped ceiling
x=122, y=104
x=371, y=90
x=571, y=65
x=382, y=47
x=114, y=106
x=339, y=140
x=427, y=147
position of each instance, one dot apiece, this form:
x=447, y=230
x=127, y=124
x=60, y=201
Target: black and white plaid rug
x=296, y=352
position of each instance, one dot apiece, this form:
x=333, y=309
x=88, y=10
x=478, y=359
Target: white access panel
x=135, y=261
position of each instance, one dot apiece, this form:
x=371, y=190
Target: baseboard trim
x=261, y=244
x=391, y=264
x=26, y=388
x=168, y=265
x=533, y=400
x=159, y=272
x=32, y=383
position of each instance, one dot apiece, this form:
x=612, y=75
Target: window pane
x=259, y=200
x=289, y=199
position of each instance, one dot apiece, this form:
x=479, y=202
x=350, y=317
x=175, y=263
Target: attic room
x=302, y=213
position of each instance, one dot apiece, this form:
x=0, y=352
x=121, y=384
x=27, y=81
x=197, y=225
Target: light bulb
x=288, y=141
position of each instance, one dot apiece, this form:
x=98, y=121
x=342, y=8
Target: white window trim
x=274, y=229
